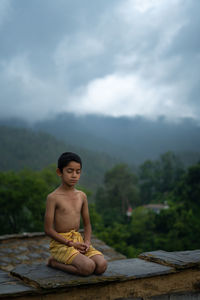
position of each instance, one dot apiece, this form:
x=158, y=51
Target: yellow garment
x=66, y=254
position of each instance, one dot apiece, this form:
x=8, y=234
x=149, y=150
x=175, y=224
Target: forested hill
x=134, y=140
x=25, y=148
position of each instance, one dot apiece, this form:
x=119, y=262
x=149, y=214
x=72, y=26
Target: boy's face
x=71, y=173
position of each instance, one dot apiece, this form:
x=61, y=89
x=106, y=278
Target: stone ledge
x=177, y=259
x=45, y=277
x=125, y=279
x=13, y=286
x=164, y=287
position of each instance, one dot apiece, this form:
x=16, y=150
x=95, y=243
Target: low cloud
x=125, y=58
x=128, y=95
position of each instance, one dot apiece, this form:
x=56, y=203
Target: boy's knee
x=101, y=267
x=88, y=268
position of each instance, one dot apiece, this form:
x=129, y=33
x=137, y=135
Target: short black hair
x=66, y=157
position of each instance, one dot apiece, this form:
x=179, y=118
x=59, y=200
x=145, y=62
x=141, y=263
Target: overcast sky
x=112, y=57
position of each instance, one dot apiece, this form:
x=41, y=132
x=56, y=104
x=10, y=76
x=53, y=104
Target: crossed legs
x=82, y=265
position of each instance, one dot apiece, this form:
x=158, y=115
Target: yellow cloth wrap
x=66, y=254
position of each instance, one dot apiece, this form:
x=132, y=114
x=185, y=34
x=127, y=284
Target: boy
x=64, y=208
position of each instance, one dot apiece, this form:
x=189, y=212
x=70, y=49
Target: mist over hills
x=132, y=140
x=25, y=148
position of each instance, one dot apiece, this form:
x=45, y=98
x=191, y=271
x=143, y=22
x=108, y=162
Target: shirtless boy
x=70, y=252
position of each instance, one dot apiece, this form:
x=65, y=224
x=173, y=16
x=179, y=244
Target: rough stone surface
x=138, y=268
x=45, y=277
x=128, y=298
x=7, y=237
x=12, y=286
x=15, y=289
x=4, y=277
x=5, y=259
x=178, y=259
x=166, y=284
x=22, y=257
x=48, y=278
x=34, y=255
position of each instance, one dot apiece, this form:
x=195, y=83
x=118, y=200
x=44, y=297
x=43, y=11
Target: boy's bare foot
x=53, y=263
x=50, y=262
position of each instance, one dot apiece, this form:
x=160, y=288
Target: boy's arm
x=86, y=222
x=49, y=220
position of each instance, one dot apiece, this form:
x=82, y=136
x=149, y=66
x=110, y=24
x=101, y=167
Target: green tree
x=188, y=189
x=120, y=191
x=95, y=219
x=158, y=178
x=22, y=199
x=141, y=229
x=147, y=181
x=178, y=228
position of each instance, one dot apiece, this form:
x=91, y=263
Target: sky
x=110, y=57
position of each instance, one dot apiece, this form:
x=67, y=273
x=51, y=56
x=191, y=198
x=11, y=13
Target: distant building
x=156, y=207
x=129, y=211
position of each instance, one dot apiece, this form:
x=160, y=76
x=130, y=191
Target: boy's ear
x=59, y=173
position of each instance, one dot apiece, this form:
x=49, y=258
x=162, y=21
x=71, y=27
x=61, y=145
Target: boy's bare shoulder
x=82, y=194
x=53, y=195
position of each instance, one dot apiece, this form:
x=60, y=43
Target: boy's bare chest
x=70, y=205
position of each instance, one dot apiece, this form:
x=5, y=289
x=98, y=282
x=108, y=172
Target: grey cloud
x=187, y=42
x=69, y=44
x=5, y=11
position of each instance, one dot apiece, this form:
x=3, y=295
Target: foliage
x=173, y=229
x=158, y=178
x=118, y=193
x=22, y=199
x=188, y=189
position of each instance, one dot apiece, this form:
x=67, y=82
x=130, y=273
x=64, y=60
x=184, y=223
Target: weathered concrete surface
x=31, y=248
x=12, y=286
x=120, y=270
x=178, y=259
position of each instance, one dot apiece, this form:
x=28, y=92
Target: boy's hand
x=87, y=244
x=81, y=247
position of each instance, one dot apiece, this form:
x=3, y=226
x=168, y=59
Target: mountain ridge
x=25, y=148
x=132, y=139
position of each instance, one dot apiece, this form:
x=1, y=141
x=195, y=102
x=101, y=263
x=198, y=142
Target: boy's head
x=66, y=158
